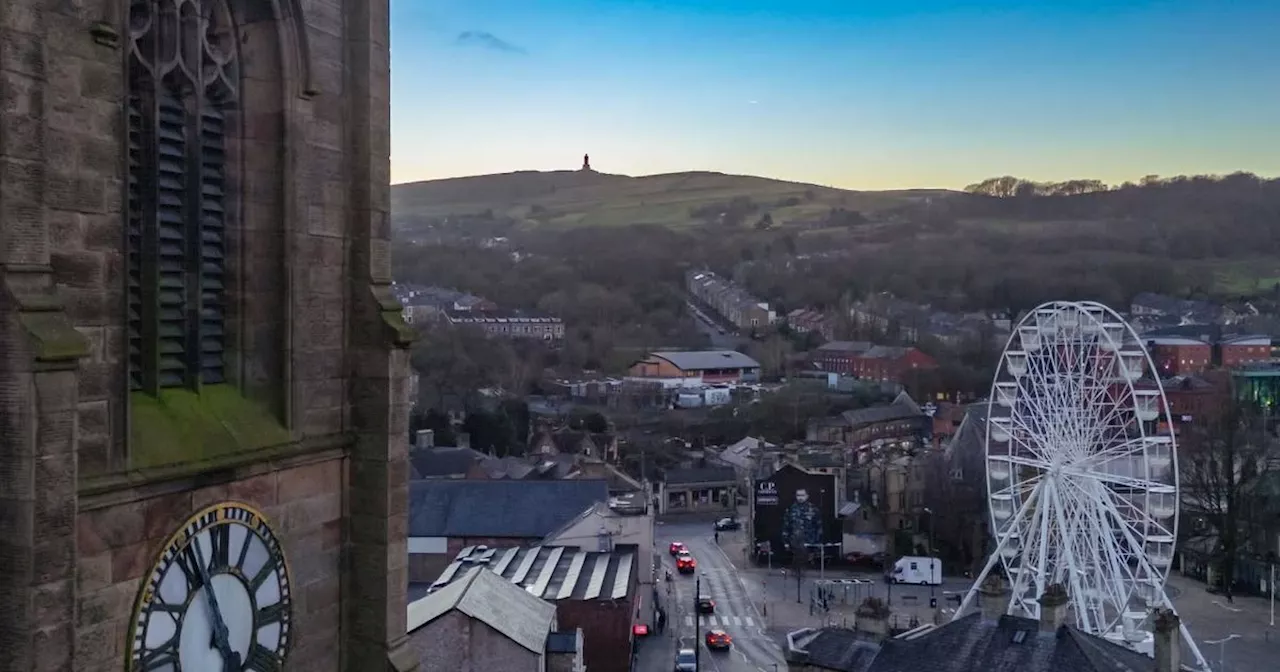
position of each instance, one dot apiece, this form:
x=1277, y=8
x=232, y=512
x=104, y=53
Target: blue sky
x=862, y=95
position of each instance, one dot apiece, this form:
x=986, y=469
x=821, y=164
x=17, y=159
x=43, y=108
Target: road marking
x=688, y=621
x=750, y=622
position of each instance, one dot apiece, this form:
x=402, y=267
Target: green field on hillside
x=575, y=198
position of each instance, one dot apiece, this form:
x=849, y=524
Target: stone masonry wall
x=119, y=541
x=456, y=642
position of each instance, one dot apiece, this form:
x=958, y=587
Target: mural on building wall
x=792, y=505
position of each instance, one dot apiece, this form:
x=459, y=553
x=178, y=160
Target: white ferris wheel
x=1082, y=472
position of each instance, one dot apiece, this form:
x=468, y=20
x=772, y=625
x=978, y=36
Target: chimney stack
x=1053, y=607
x=872, y=618
x=995, y=598
x=1168, y=644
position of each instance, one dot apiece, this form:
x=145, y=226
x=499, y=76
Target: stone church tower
x=197, y=335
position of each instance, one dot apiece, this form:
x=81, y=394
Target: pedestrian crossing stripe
x=716, y=620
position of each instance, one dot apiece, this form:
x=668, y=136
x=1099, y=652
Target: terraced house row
x=731, y=302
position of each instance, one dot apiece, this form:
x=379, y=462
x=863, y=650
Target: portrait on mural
x=802, y=520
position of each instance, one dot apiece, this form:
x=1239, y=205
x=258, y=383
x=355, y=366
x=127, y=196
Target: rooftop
x=502, y=508
x=482, y=595
x=695, y=475
x=550, y=572
x=972, y=644
x=701, y=360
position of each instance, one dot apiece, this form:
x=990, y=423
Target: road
x=720, y=337
x=754, y=649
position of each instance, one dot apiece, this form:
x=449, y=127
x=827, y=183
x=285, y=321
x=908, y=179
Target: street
x=753, y=649
x=1234, y=637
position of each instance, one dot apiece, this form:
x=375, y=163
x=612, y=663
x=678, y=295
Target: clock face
x=217, y=600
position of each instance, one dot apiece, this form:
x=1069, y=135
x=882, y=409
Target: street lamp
x=1222, y=648
x=933, y=566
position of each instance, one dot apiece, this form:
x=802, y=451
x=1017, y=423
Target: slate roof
x=503, y=508
x=444, y=462
x=840, y=649
x=551, y=572
x=699, y=360
x=846, y=346
x=867, y=416
x=700, y=475
x=971, y=643
x=482, y=595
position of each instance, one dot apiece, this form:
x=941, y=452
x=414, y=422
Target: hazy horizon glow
x=846, y=93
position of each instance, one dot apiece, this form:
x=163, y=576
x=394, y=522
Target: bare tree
x=1221, y=462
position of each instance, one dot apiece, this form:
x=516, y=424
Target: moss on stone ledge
x=181, y=426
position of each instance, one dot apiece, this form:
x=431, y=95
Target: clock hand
x=220, y=634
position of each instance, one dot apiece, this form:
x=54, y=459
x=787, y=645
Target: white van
x=916, y=569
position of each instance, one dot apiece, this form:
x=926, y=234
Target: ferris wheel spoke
x=1102, y=539
x=1128, y=448
x=1114, y=479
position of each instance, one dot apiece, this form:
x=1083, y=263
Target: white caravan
x=916, y=569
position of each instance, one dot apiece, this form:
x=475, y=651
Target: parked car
x=728, y=524
x=706, y=605
x=685, y=564
x=686, y=661
x=719, y=640
x=676, y=548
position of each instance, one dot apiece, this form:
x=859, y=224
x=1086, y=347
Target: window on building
x=182, y=89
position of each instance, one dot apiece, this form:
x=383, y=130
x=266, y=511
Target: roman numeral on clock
x=272, y=614
x=220, y=557
x=189, y=562
x=262, y=659
x=165, y=655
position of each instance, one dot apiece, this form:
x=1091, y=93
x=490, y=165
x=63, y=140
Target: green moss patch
x=181, y=426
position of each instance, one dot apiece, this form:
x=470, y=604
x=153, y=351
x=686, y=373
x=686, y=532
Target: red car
x=685, y=564
x=676, y=548
x=719, y=640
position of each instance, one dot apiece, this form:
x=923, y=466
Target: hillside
x=576, y=198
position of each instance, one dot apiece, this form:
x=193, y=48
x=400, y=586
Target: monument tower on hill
x=586, y=163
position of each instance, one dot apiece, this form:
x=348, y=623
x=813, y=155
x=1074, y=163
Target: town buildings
x=872, y=362
x=804, y=321
x=448, y=515
x=197, y=310
x=988, y=640
x=696, y=368
x=595, y=590
x=732, y=303
x=481, y=623
x=698, y=490
x=506, y=324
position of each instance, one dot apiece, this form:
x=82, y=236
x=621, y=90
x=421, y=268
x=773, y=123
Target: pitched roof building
x=988, y=641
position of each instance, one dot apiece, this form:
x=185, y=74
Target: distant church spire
x=586, y=163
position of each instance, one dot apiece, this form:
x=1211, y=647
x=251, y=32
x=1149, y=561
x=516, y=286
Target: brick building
x=873, y=362
x=1237, y=351
x=594, y=590
x=203, y=317
x=1176, y=355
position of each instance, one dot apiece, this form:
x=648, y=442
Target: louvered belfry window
x=183, y=85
